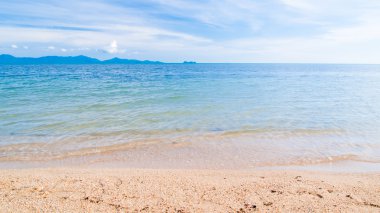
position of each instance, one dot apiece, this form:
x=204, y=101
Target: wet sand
x=160, y=190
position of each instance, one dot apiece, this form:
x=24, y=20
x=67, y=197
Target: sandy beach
x=155, y=190
x=189, y=106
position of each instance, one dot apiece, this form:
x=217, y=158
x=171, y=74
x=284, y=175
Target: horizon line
x=183, y=62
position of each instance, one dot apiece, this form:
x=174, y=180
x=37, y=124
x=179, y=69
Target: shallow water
x=269, y=113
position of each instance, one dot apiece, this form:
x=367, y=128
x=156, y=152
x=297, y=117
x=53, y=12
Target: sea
x=251, y=114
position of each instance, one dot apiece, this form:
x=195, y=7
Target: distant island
x=9, y=59
x=189, y=62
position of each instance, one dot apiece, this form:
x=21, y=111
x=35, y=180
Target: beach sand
x=159, y=190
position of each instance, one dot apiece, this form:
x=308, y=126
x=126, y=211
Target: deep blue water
x=325, y=110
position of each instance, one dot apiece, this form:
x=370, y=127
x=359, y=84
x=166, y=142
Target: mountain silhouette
x=9, y=59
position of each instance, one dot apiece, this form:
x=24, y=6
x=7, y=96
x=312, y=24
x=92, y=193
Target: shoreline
x=183, y=190
x=243, y=149
x=214, y=156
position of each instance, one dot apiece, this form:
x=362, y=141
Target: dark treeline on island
x=9, y=59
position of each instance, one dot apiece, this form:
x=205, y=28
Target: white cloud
x=51, y=47
x=64, y=50
x=26, y=47
x=83, y=49
x=113, y=48
x=14, y=46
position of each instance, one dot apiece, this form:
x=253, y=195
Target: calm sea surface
x=287, y=111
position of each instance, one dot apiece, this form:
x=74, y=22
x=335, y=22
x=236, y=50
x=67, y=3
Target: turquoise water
x=303, y=110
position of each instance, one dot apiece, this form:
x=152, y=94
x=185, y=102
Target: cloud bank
x=325, y=31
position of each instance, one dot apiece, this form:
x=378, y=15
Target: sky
x=267, y=31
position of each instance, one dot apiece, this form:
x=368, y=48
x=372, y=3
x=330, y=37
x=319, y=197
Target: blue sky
x=322, y=31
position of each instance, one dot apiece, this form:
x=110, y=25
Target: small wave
x=285, y=133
